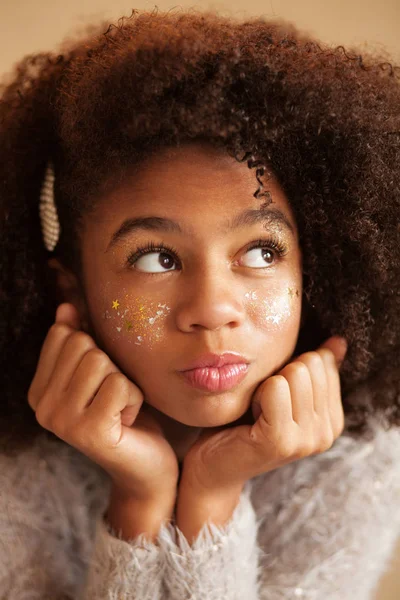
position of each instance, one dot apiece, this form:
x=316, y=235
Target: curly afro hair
x=326, y=122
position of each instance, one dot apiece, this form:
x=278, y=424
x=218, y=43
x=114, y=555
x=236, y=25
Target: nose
x=210, y=300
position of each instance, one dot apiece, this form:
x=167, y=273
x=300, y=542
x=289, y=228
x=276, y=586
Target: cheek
x=134, y=320
x=275, y=310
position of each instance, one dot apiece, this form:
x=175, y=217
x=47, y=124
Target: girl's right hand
x=80, y=395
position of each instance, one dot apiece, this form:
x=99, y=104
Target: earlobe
x=68, y=289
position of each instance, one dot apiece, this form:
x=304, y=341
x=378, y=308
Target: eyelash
x=271, y=243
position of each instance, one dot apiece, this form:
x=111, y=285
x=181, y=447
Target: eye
x=162, y=258
x=259, y=258
x=263, y=253
x=153, y=259
x=155, y=262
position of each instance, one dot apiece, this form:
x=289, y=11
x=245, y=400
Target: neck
x=180, y=436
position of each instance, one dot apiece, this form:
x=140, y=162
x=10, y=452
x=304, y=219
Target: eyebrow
x=267, y=216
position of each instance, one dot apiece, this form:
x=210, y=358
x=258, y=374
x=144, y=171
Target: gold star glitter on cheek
x=128, y=325
x=115, y=304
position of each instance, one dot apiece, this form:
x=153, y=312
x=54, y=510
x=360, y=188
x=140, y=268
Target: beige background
x=38, y=25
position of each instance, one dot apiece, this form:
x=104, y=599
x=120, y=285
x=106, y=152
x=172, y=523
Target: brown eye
x=259, y=258
x=166, y=260
x=155, y=262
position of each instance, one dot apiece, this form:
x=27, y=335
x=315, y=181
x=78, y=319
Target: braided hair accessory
x=48, y=212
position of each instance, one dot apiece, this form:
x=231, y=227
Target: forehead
x=194, y=183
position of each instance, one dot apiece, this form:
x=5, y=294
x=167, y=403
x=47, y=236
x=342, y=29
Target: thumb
x=338, y=346
x=68, y=314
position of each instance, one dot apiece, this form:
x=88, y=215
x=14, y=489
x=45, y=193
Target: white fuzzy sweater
x=322, y=528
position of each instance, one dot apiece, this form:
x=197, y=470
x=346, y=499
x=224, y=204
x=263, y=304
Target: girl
x=200, y=290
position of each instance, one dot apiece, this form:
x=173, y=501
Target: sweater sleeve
x=323, y=527
x=119, y=569
x=129, y=569
x=222, y=562
x=54, y=541
x=329, y=523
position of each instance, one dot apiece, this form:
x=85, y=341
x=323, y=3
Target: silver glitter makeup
x=139, y=318
x=275, y=310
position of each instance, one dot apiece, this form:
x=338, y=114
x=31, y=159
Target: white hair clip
x=48, y=212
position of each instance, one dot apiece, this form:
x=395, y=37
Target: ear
x=69, y=289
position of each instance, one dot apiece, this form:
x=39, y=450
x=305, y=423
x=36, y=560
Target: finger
x=67, y=313
x=76, y=346
x=337, y=345
x=301, y=391
x=115, y=395
x=49, y=353
x=60, y=406
x=274, y=399
x=66, y=321
x=316, y=367
x=335, y=405
x=94, y=367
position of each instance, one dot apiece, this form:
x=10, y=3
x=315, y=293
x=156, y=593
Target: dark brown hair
x=325, y=120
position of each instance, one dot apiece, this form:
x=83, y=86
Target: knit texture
x=323, y=527
x=231, y=550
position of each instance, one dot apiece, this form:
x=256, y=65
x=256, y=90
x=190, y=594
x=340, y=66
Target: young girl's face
x=173, y=269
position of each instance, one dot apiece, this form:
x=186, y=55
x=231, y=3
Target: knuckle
x=304, y=451
x=274, y=385
x=59, y=330
x=327, y=355
x=57, y=424
x=313, y=359
x=338, y=426
x=285, y=446
x=82, y=340
x=42, y=416
x=326, y=440
x=276, y=382
x=118, y=381
x=305, y=448
x=301, y=368
x=97, y=358
x=297, y=368
x=60, y=423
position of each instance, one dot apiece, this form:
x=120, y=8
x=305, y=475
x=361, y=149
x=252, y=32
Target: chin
x=214, y=411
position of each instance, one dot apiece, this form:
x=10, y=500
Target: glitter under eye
x=138, y=318
x=274, y=310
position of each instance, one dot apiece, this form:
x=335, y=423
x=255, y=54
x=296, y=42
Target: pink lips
x=216, y=373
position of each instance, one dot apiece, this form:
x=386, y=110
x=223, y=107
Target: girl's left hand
x=300, y=414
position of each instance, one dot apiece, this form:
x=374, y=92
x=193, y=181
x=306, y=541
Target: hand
x=300, y=414
x=84, y=399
